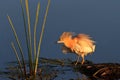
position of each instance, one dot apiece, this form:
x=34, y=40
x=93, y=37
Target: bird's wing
x=86, y=39
x=85, y=42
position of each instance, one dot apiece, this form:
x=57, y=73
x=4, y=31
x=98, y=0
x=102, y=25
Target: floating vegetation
x=104, y=71
x=65, y=69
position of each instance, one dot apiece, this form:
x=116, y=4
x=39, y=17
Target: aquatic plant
x=33, y=56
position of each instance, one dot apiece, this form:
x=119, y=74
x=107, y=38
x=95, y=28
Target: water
x=100, y=19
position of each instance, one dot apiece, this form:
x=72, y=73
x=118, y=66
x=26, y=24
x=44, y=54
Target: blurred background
x=99, y=19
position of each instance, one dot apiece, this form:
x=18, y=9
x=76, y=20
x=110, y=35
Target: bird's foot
x=76, y=63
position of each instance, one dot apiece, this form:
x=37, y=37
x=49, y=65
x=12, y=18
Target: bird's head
x=64, y=37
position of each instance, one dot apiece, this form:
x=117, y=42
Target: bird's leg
x=82, y=59
x=77, y=60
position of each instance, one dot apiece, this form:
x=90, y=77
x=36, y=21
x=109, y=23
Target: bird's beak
x=59, y=41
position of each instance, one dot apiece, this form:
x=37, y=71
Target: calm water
x=100, y=19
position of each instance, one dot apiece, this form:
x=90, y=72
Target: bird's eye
x=61, y=39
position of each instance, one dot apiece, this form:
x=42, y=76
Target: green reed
x=33, y=56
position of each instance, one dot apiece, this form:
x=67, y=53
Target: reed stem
x=41, y=36
x=18, y=59
x=18, y=43
x=29, y=36
x=35, y=27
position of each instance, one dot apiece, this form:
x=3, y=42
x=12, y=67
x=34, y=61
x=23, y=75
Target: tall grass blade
x=18, y=43
x=18, y=59
x=41, y=35
x=29, y=36
x=25, y=27
x=35, y=27
x=26, y=35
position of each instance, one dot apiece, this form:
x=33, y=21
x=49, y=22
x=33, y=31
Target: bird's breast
x=83, y=49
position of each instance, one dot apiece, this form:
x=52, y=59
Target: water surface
x=100, y=19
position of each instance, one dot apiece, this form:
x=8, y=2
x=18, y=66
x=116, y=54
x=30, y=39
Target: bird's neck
x=69, y=43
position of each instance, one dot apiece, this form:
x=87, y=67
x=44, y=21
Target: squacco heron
x=80, y=44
